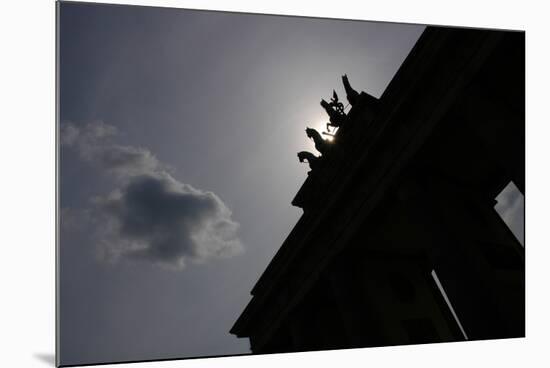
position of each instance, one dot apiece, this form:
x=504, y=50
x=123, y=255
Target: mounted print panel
x=234, y=183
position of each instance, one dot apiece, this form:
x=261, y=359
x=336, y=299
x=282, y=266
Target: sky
x=511, y=208
x=178, y=138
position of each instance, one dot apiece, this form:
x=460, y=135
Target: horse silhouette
x=312, y=160
x=351, y=94
x=321, y=144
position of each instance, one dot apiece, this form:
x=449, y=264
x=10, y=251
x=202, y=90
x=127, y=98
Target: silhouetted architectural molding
x=412, y=177
x=321, y=144
x=313, y=161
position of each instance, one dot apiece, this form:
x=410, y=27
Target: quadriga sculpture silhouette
x=321, y=144
x=335, y=111
x=311, y=159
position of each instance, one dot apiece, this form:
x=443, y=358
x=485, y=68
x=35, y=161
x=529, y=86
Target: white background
x=27, y=205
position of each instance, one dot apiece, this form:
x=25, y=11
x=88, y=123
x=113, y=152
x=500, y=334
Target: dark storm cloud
x=152, y=216
x=157, y=218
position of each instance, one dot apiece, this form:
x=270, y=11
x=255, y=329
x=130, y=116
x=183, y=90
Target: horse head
x=351, y=94
x=310, y=132
x=305, y=155
x=325, y=105
x=312, y=160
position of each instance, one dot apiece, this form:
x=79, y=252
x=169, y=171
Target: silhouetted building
x=406, y=192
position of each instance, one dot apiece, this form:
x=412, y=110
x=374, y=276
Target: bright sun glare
x=321, y=127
